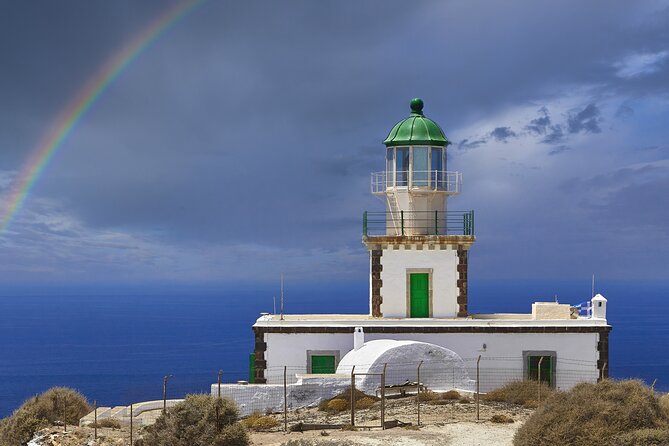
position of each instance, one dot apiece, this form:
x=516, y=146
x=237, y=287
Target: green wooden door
x=322, y=364
x=419, y=295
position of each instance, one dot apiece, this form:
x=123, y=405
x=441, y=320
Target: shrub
x=338, y=405
x=450, y=395
x=364, y=403
x=428, y=396
x=193, y=422
x=643, y=437
x=259, y=422
x=664, y=404
x=111, y=423
x=592, y=415
x=525, y=393
x=56, y=404
x=501, y=418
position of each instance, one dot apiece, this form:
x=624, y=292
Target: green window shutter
x=322, y=364
x=419, y=295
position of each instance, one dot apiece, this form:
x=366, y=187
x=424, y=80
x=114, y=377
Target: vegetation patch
x=596, y=415
x=450, y=395
x=110, y=423
x=643, y=437
x=56, y=405
x=501, y=419
x=258, y=422
x=199, y=420
x=525, y=393
x=342, y=401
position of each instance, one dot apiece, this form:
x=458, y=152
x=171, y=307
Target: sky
x=240, y=143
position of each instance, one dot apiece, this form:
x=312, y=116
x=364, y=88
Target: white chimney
x=599, y=307
x=358, y=338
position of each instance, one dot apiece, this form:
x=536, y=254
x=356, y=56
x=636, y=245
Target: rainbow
x=81, y=103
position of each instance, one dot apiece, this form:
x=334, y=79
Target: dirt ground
x=448, y=423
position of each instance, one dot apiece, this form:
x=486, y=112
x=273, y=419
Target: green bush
x=592, y=415
x=56, y=404
x=524, y=393
x=193, y=422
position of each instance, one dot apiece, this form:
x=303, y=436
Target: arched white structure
x=442, y=369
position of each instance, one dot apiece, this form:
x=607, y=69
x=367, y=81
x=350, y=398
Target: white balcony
x=438, y=181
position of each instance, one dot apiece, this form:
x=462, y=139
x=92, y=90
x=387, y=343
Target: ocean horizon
x=116, y=346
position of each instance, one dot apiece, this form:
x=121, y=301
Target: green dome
x=416, y=130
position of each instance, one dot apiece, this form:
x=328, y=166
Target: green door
x=322, y=364
x=419, y=295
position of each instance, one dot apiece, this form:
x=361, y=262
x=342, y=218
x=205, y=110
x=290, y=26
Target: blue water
x=116, y=347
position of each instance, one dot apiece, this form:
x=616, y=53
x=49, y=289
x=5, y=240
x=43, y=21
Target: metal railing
x=418, y=223
x=423, y=180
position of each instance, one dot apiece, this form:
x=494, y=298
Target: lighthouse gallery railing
x=406, y=223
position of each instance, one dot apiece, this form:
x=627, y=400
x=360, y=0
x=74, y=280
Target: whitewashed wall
x=444, y=280
x=502, y=359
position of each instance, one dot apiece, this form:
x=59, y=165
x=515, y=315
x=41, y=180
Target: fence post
x=418, y=391
x=383, y=397
x=478, y=388
x=541, y=359
x=353, y=396
x=131, y=425
x=402, y=221
x=436, y=222
x=95, y=418
x=285, y=399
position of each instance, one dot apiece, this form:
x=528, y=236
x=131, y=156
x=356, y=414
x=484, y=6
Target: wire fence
x=398, y=393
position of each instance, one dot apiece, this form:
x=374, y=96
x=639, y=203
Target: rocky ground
x=445, y=423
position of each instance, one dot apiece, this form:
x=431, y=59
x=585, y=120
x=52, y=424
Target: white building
x=419, y=253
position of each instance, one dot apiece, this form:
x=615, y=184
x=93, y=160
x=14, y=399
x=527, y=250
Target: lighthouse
x=418, y=248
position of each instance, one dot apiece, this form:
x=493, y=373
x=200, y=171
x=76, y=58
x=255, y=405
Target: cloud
x=559, y=149
x=467, y=144
x=540, y=125
x=640, y=64
x=554, y=135
x=586, y=120
x=502, y=134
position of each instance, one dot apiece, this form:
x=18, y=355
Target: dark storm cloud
x=586, y=120
x=502, y=134
x=467, y=143
x=259, y=122
x=541, y=124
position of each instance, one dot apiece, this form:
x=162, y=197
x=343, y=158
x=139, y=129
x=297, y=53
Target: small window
x=540, y=367
x=322, y=364
x=401, y=166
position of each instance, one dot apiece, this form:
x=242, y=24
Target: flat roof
x=365, y=320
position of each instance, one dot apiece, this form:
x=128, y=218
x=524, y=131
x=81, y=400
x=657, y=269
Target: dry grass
x=450, y=395
x=501, y=419
x=259, y=423
x=525, y=393
x=58, y=404
x=595, y=415
x=643, y=437
x=664, y=404
x=364, y=403
x=342, y=401
x=110, y=423
x=337, y=405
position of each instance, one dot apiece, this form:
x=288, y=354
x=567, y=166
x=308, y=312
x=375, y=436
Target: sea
x=116, y=345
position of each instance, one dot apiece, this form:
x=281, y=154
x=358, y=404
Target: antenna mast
x=281, y=303
x=593, y=285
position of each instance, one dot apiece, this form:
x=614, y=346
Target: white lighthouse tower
x=418, y=249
